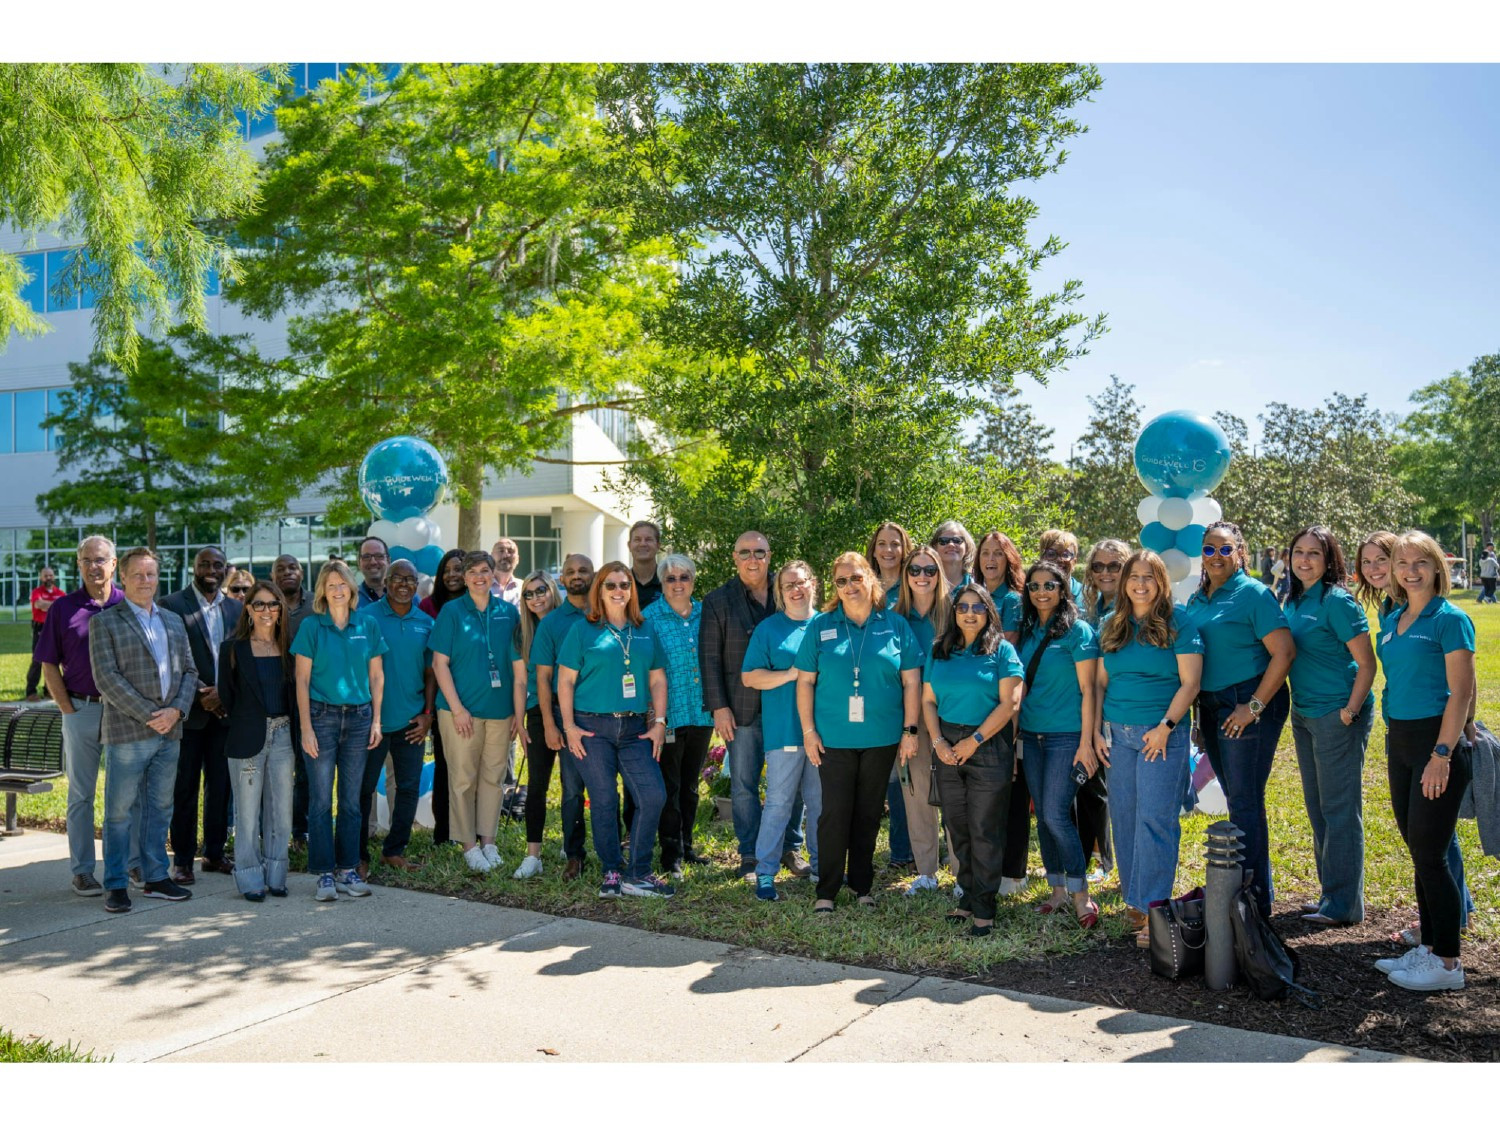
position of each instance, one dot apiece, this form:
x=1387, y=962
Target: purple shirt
x=65, y=638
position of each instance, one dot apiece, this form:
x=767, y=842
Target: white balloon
x=1177, y=564
x=1206, y=510
x=1175, y=513
x=411, y=533
x=434, y=532
x=388, y=530
x=1185, y=589
x=1145, y=511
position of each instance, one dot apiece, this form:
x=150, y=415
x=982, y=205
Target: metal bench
x=32, y=755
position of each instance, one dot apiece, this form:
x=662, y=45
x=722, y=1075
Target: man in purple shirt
x=63, y=651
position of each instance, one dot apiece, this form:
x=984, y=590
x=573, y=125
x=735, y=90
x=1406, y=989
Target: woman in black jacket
x=256, y=691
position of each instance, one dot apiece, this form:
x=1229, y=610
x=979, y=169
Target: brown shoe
x=364, y=870
x=796, y=865
x=222, y=866
x=183, y=877
x=1135, y=919
x=573, y=870
x=400, y=862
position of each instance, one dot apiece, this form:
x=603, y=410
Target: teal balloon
x=1158, y=537
x=401, y=554
x=428, y=558
x=1190, y=540
x=1181, y=453
x=402, y=477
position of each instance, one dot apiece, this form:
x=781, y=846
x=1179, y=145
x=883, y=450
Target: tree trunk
x=1486, y=521
x=470, y=476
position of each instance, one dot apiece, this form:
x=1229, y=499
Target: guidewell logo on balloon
x=400, y=480
x=1180, y=457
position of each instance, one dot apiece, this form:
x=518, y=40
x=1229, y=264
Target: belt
x=611, y=714
x=276, y=722
x=339, y=706
x=86, y=698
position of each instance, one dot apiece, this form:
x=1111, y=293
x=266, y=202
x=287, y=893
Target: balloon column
x=1180, y=457
x=400, y=481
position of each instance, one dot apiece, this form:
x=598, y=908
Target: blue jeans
x=139, y=778
x=900, y=835
x=789, y=775
x=747, y=757
x=618, y=747
x=82, y=754
x=343, y=733
x=1144, y=803
x=1048, y=762
x=575, y=839
x=1243, y=767
x=1331, y=759
x=262, y=787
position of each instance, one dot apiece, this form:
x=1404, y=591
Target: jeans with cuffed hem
x=343, y=734
x=263, y=804
x=747, y=758
x=1048, y=762
x=853, y=782
x=1331, y=760
x=617, y=746
x=82, y=756
x=976, y=803
x=790, y=774
x=138, y=781
x=1243, y=767
x=406, y=760
x=1145, y=809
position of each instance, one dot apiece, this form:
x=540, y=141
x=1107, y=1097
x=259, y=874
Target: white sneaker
x=1011, y=886
x=958, y=892
x=922, y=883
x=475, y=859
x=1430, y=976
x=492, y=854
x=531, y=865
x=1411, y=959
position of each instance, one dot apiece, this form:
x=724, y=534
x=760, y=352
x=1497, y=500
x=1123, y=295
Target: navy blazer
x=185, y=604
x=241, y=693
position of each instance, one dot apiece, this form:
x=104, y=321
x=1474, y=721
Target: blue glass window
x=321, y=72
x=57, y=262
x=34, y=292
x=31, y=409
x=6, y=444
x=298, y=72
x=211, y=283
x=88, y=293
x=262, y=125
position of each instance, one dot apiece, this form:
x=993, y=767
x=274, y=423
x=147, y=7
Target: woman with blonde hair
x=886, y=552
x=1101, y=578
x=1101, y=591
x=539, y=597
x=955, y=547
x=1060, y=548
x=925, y=603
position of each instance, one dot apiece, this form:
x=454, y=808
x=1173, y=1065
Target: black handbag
x=1177, y=935
x=1265, y=962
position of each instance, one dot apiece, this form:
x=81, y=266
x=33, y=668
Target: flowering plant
x=713, y=771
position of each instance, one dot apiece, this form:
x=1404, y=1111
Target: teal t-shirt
x=405, y=663
x=1054, y=702
x=884, y=647
x=1416, y=672
x=1232, y=624
x=774, y=646
x=892, y=596
x=1143, y=678
x=924, y=631
x=476, y=644
x=967, y=685
x=1323, y=621
x=340, y=657
x=549, y=637
x=1008, y=602
x=602, y=656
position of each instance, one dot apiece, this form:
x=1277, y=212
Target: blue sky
x=1275, y=233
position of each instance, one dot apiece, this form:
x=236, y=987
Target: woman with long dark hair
x=539, y=597
x=997, y=565
x=449, y=585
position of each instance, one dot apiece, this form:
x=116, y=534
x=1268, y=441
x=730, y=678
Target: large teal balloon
x=402, y=477
x=1181, y=454
x=1157, y=537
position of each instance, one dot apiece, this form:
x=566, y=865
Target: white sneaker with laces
x=1411, y=959
x=531, y=865
x=474, y=857
x=1430, y=976
x=492, y=854
x=922, y=883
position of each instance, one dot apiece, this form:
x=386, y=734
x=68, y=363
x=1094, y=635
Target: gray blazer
x=127, y=675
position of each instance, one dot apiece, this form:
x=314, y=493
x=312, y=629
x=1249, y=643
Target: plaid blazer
x=128, y=678
x=730, y=615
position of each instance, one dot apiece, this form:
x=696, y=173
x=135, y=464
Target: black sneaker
x=694, y=858
x=86, y=886
x=276, y=892
x=165, y=888
x=117, y=902
x=747, y=865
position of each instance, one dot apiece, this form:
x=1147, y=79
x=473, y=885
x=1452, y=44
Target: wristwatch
x=1170, y=724
x=1256, y=706
x=1442, y=750
x=909, y=730
x=660, y=720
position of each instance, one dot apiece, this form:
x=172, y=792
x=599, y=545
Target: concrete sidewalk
x=408, y=977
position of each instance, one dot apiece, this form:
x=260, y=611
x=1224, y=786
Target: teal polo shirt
x=1233, y=624
x=550, y=634
x=1323, y=621
x=474, y=641
x=1077, y=588
x=1143, y=678
x=598, y=653
x=406, y=662
x=340, y=657
x=892, y=596
x=967, y=685
x=1416, y=673
x=774, y=646
x=1008, y=603
x=885, y=647
x=1054, y=702
x=923, y=630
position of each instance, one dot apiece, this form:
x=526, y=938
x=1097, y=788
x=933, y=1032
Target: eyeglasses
x=796, y=583
x=1049, y=586
x=240, y=590
x=616, y=586
x=1062, y=556
x=970, y=609
x=381, y=557
x=1106, y=568
x=538, y=592
x=918, y=570
x=1225, y=551
x=949, y=541
x=400, y=578
x=265, y=607
x=849, y=580
x=751, y=553
x=678, y=579
x=96, y=562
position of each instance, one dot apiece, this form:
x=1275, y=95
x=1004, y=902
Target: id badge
x=496, y=680
x=627, y=685
x=856, y=708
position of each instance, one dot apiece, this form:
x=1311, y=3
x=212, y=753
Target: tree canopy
x=1449, y=454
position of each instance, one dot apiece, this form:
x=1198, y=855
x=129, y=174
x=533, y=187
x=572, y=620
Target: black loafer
x=255, y=896
x=117, y=902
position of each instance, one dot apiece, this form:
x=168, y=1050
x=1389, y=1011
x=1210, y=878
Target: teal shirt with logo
x=967, y=684
x=476, y=643
x=1323, y=621
x=340, y=657
x=884, y=647
x=1416, y=669
x=1143, y=678
x=548, y=640
x=602, y=656
x=1233, y=624
x=1008, y=603
x=774, y=646
x=405, y=663
x=1054, y=702
x=923, y=630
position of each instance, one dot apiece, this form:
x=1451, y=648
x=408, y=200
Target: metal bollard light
x=1225, y=876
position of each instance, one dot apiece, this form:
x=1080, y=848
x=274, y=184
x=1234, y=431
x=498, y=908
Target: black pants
x=299, y=786
x=681, y=763
x=1489, y=588
x=1427, y=825
x=34, y=673
x=439, y=789
x=406, y=757
x=976, y=805
x=539, y=764
x=201, y=760
x=853, y=799
x=1091, y=815
x=1017, y=826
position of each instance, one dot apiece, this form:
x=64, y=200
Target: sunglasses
x=240, y=590
x=975, y=609
x=265, y=607
x=1106, y=568
x=751, y=553
x=1049, y=586
x=1065, y=556
x=949, y=541
x=917, y=570
x=849, y=580
x=1225, y=551
x=538, y=592
x=676, y=579
x=616, y=586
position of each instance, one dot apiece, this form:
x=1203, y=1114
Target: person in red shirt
x=46, y=592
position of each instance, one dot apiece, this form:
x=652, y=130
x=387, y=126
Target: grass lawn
x=15, y=1048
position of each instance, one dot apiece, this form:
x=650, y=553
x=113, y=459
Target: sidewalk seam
x=868, y=1011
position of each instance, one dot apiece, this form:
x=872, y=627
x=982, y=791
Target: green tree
x=858, y=270
x=1020, y=445
x=1105, y=491
x=139, y=446
x=451, y=269
x=133, y=160
x=1449, y=456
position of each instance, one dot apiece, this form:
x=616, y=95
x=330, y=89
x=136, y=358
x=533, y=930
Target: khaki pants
x=476, y=769
x=922, y=818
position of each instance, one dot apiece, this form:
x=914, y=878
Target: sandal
x=1090, y=916
x=866, y=900
x=1411, y=936
x=823, y=908
x=1050, y=907
x=958, y=917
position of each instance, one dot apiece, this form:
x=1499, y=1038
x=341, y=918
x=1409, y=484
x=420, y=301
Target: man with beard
x=577, y=577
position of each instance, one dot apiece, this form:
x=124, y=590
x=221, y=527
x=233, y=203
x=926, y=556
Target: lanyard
x=864, y=635
x=624, y=641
